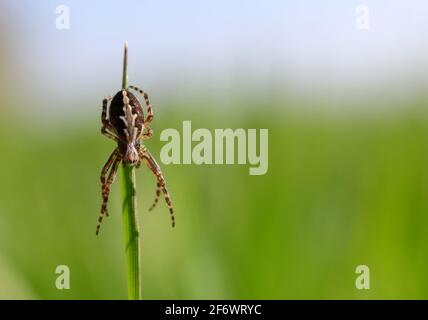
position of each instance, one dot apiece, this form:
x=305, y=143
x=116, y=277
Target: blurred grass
x=339, y=192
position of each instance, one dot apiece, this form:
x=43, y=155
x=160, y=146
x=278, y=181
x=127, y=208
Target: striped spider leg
x=150, y=114
x=155, y=202
x=154, y=167
x=147, y=134
x=107, y=129
x=112, y=164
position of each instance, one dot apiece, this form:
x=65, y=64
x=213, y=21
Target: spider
x=127, y=126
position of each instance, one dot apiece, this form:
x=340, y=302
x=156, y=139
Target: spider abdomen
x=126, y=116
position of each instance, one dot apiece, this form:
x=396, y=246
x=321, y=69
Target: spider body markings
x=127, y=126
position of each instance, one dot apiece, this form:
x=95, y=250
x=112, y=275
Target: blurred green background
x=347, y=182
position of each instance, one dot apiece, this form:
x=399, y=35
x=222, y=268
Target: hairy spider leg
x=148, y=134
x=106, y=168
x=155, y=202
x=107, y=129
x=150, y=114
x=112, y=162
x=154, y=167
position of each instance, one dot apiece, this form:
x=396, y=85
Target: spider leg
x=107, y=166
x=155, y=202
x=104, y=171
x=147, y=134
x=152, y=164
x=113, y=163
x=150, y=114
x=107, y=128
x=108, y=134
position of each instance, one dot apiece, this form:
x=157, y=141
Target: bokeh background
x=348, y=153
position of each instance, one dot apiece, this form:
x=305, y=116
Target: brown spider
x=126, y=125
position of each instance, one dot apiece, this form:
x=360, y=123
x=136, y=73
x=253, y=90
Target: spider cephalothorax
x=127, y=126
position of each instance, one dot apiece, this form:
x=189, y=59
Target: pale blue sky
x=190, y=44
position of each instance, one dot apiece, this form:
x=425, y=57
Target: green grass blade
x=130, y=216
